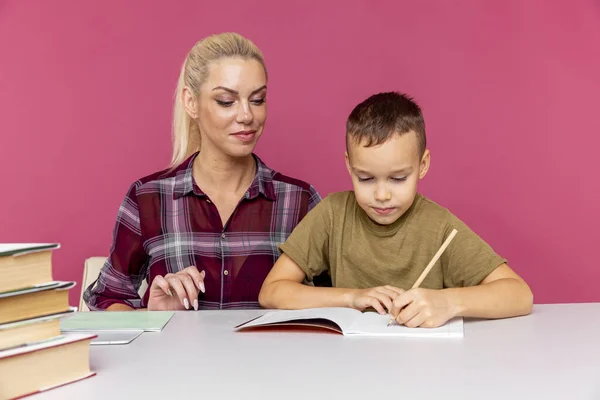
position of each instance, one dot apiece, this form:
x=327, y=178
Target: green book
x=149, y=321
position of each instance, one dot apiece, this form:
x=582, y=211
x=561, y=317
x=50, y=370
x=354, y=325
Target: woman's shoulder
x=158, y=176
x=163, y=181
x=286, y=189
x=294, y=183
x=282, y=182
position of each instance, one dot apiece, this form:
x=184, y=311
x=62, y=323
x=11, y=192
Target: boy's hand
x=425, y=308
x=380, y=298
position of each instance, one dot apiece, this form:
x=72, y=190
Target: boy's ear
x=424, y=165
x=348, y=163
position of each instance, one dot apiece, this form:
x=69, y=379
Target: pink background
x=509, y=90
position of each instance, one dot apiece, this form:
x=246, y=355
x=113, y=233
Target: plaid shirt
x=166, y=223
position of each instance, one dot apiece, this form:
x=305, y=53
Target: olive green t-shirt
x=337, y=236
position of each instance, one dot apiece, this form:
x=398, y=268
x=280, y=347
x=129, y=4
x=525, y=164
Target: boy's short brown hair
x=382, y=115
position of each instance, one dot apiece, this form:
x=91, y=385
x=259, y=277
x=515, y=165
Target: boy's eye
x=224, y=103
x=364, y=179
x=399, y=179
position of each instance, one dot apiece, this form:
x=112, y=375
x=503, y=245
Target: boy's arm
x=501, y=294
x=478, y=283
x=283, y=288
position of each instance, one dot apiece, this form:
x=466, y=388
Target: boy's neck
x=391, y=228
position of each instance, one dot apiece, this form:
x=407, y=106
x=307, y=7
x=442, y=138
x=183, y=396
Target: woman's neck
x=224, y=174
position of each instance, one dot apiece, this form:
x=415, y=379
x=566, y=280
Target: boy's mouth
x=384, y=211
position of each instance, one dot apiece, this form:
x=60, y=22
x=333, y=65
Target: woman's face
x=231, y=108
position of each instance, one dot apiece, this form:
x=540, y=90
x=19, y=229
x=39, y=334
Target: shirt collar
x=262, y=183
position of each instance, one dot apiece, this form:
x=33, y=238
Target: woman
x=204, y=232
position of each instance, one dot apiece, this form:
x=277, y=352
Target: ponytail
x=186, y=136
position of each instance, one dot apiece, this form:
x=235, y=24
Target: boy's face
x=385, y=176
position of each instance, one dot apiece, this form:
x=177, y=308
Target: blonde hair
x=186, y=134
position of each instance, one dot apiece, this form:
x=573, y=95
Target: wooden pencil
x=435, y=258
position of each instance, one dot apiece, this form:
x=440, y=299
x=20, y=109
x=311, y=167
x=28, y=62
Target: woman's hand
x=177, y=291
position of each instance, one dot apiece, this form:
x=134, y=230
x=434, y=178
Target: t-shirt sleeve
x=468, y=259
x=308, y=244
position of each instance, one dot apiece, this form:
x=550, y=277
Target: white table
x=552, y=354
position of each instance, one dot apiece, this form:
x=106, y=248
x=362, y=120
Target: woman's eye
x=223, y=103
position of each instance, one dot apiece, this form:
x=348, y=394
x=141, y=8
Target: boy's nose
x=382, y=194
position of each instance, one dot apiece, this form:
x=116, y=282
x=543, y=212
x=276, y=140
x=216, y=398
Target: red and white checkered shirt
x=166, y=223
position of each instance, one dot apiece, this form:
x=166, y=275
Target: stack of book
x=34, y=355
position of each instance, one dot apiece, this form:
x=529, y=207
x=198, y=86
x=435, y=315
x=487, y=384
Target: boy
x=376, y=240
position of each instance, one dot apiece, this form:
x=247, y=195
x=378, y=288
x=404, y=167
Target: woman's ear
x=190, y=102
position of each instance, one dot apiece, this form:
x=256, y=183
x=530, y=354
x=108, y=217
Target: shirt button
x=222, y=236
x=225, y=272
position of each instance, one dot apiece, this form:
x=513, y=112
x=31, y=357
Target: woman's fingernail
x=170, y=293
x=201, y=286
x=196, y=305
x=186, y=304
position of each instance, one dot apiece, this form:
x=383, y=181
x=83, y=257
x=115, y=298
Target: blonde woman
x=204, y=232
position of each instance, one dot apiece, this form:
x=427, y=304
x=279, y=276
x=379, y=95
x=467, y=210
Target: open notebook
x=350, y=322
